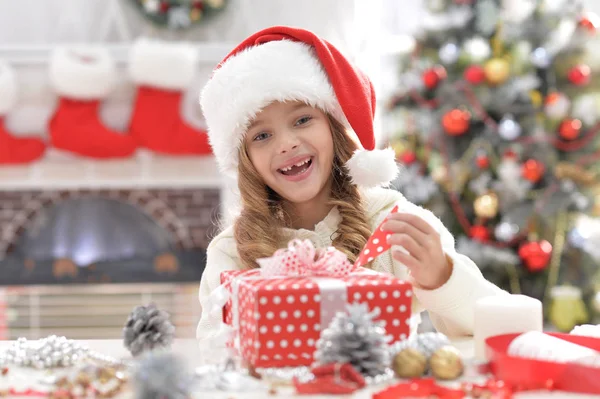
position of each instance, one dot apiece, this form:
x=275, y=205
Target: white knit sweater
x=450, y=306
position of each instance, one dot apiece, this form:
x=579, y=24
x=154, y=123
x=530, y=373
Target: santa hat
x=289, y=64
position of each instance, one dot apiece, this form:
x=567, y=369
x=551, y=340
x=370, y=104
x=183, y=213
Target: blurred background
x=492, y=107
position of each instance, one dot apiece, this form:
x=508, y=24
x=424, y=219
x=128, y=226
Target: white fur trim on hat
x=8, y=87
x=372, y=168
x=252, y=79
x=83, y=73
x=162, y=64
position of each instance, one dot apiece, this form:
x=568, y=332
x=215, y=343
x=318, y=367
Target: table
x=189, y=350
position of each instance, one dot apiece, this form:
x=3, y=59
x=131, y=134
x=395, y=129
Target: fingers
x=414, y=221
x=397, y=227
x=409, y=243
x=406, y=260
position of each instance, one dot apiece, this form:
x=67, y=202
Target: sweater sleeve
x=451, y=306
x=217, y=261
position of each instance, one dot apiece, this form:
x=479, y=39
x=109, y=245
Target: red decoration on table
x=479, y=233
x=590, y=22
x=528, y=374
x=570, y=129
x=420, y=388
x=332, y=379
x=475, y=74
x=482, y=161
x=536, y=255
x=580, y=75
x=456, y=122
x=376, y=245
x=433, y=76
x=533, y=170
x=408, y=157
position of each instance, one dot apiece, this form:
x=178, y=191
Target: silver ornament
x=506, y=231
x=508, y=128
x=576, y=238
x=449, y=53
x=540, y=58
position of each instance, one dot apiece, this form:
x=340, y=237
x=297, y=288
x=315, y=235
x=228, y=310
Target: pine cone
x=146, y=329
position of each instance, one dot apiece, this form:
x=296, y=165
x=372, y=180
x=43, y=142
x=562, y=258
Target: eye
x=303, y=120
x=261, y=136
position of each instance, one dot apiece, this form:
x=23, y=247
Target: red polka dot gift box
x=279, y=310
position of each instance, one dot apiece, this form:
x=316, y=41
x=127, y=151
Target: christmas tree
x=496, y=123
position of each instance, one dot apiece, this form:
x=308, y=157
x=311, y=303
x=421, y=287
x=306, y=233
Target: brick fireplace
x=181, y=197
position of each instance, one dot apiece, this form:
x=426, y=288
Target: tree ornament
x=506, y=232
x=355, y=338
x=586, y=108
x=536, y=255
x=449, y=53
x=508, y=128
x=540, y=58
x=590, y=22
x=164, y=7
x=486, y=205
x=474, y=74
x=151, y=6
x=580, y=75
x=456, y=122
x=162, y=375
x=575, y=173
x=567, y=308
x=446, y=363
x=409, y=363
x=479, y=233
x=147, y=328
x=482, y=161
x=436, y=5
x=408, y=157
x=497, y=71
x=477, y=49
x=557, y=105
x=433, y=76
x=570, y=129
x=533, y=170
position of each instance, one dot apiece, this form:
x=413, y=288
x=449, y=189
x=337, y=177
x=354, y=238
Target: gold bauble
x=410, y=363
x=195, y=14
x=572, y=171
x=536, y=98
x=486, y=205
x=497, y=71
x=446, y=363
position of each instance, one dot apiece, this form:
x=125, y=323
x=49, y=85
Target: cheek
x=261, y=161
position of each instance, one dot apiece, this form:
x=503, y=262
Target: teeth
x=298, y=164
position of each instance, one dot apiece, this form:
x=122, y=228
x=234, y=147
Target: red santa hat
x=289, y=64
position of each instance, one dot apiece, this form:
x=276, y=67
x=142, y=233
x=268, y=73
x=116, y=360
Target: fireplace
x=84, y=241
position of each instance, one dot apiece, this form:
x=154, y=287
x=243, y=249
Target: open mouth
x=296, y=169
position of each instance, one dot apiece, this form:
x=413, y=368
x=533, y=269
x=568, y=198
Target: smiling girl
x=292, y=120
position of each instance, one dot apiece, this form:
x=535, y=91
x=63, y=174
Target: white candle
x=504, y=314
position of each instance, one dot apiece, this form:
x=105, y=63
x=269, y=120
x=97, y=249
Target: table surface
x=192, y=354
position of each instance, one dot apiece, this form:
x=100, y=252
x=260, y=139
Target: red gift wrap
x=280, y=319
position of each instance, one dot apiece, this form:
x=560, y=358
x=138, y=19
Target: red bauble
x=433, y=76
x=482, y=161
x=590, y=22
x=580, y=75
x=510, y=154
x=479, y=233
x=536, y=255
x=199, y=5
x=456, y=122
x=164, y=6
x=408, y=157
x=533, y=170
x=474, y=74
x=570, y=129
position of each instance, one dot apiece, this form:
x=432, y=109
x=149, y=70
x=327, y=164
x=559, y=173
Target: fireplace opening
x=100, y=240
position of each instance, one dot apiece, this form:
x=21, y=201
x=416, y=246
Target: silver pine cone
x=147, y=328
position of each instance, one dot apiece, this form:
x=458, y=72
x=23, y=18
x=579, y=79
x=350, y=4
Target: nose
x=288, y=141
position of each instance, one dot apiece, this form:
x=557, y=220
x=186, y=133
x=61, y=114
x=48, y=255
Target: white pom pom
x=373, y=168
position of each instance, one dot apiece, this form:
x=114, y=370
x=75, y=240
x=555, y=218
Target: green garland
x=178, y=14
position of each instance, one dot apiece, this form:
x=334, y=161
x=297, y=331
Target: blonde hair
x=258, y=229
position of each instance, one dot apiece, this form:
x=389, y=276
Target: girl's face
x=291, y=146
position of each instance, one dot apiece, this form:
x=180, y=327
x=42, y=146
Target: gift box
x=279, y=319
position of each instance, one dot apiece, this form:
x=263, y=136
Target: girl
x=292, y=120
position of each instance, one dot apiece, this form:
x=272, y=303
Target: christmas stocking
x=14, y=150
x=162, y=71
x=83, y=77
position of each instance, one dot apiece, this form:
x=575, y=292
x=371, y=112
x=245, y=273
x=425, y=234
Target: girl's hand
x=426, y=261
